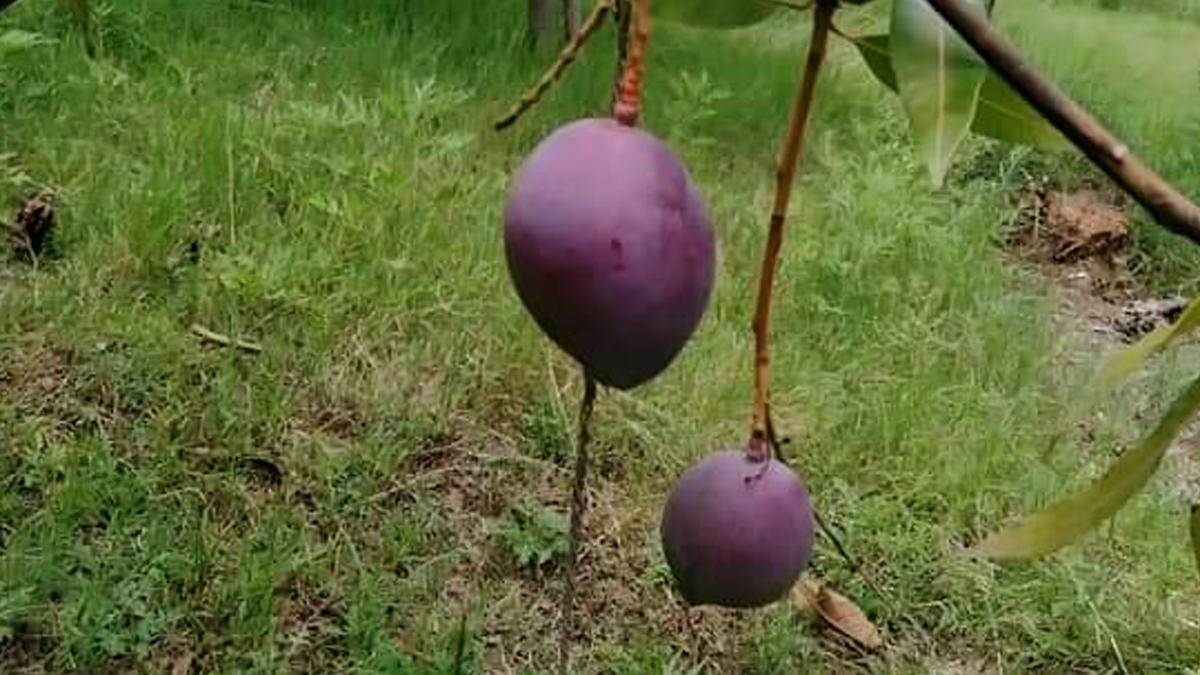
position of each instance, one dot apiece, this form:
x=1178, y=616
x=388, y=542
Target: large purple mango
x=737, y=532
x=611, y=248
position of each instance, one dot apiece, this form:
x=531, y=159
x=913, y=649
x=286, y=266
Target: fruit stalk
x=621, y=12
x=565, y=58
x=1195, y=530
x=1169, y=207
x=629, y=87
x=760, y=432
x=578, y=505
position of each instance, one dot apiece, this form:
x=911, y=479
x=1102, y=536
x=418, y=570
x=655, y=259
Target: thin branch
x=224, y=340
x=629, y=87
x=793, y=147
x=1169, y=207
x=855, y=566
x=773, y=440
x=853, y=39
x=565, y=58
x=578, y=506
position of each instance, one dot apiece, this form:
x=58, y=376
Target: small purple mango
x=737, y=532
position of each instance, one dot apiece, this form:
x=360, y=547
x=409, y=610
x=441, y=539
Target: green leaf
x=877, y=54
x=15, y=40
x=1001, y=113
x=1121, y=366
x=939, y=77
x=1005, y=116
x=1064, y=522
x=1196, y=533
x=1127, y=361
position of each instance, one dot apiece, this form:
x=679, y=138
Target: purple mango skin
x=737, y=543
x=611, y=248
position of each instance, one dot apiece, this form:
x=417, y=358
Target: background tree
x=571, y=18
x=540, y=15
x=541, y=20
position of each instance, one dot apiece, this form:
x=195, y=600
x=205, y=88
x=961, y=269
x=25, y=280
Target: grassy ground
x=322, y=179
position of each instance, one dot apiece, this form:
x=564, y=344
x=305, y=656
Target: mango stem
x=761, y=430
x=629, y=88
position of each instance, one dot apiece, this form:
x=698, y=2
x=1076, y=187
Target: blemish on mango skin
x=618, y=250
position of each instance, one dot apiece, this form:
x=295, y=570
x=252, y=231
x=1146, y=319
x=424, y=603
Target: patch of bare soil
x=1079, y=239
x=26, y=652
x=43, y=380
x=311, y=625
x=173, y=656
x=962, y=666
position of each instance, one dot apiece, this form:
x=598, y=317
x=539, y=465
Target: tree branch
x=565, y=58
x=761, y=430
x=578, y=507
x=1169, y=207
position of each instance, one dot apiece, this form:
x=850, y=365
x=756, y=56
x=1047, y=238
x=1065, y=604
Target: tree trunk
x=572, y=16
x=541, y=15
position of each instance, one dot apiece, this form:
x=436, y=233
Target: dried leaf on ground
x=837, y=611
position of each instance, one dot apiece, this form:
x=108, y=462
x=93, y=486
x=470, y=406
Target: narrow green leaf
x=1122, y=365
x=1127, y=361
x=1064, y=522
x=1196, y=533
x=939, y=77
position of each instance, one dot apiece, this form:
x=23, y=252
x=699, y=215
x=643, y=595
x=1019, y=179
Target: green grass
x=1172, y=9
x=322, y=179
x=1142, y=82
